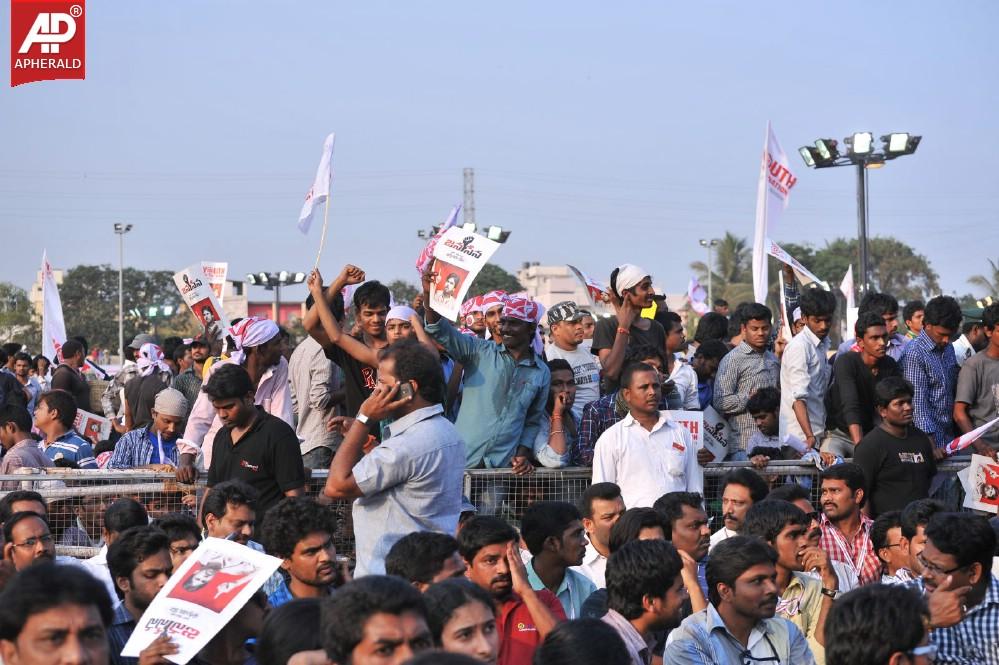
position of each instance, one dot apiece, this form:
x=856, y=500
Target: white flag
x=776, y=181
x=846, y=286
x=53, y=325
x=320, y=189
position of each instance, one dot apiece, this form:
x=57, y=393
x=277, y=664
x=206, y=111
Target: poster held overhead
x=427, y=255
x=200, y=297
x=216, y=272
x=459, y=257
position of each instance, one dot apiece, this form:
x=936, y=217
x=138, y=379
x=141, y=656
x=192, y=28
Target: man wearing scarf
x=153, y=375
x=258, y=349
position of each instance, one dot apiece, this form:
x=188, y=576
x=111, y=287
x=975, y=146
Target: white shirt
x=804, y=375
x=594, y=566
x=721, y=534
x=647, y=464
x=585, y=371
x=685, y=378
x=97, y=566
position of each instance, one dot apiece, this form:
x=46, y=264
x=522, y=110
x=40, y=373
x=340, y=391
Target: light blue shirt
x=503, y=400
x=574, y=589
x=411, y=482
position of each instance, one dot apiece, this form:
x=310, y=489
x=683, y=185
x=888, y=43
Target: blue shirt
x=574, y=589
x=122, y=625
x=503, y=400
x=282, y=594
x=140, y=447
x=932, y=371
x=411, y=482
x=71, y=447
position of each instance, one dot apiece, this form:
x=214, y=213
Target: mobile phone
x=405, y=391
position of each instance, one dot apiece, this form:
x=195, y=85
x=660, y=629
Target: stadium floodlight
x=861, y=143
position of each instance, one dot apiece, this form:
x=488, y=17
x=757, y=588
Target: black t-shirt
x=850, y=398
x=140, y=394
x=897, y=471
x=268, y=458
x=359, y=378
x=606, y=330
x=11, y=391
x=68, y=379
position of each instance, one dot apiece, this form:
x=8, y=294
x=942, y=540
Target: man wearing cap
x=631, y=292
x=258, y=349
x=111, y=400
x=491, y=306
x=153, y=446
x=506, y=385
x=566, y=322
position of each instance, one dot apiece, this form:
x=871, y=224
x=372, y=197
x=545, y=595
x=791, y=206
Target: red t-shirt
x=518, y=635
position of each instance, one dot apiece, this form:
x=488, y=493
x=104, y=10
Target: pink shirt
x=273, y=393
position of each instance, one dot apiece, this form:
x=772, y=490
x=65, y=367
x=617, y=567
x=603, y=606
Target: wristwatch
x=361, y=418
x=832, y=593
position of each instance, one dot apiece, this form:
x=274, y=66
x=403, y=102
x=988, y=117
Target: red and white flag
x=427, y=255
x=776, y=181
x=965, y=440
x=595, y=289
x=53, y=325
x=320, y=190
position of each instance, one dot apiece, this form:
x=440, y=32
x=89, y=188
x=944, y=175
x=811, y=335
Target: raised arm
x=612, y=359
x=312, y=324
x=329, y=326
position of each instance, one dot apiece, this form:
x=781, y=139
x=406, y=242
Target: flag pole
x=322, y=240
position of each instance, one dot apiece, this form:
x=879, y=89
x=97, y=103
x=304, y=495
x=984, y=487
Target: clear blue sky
x=599, y=134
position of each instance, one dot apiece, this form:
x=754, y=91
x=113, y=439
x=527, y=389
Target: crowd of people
x=395, y=403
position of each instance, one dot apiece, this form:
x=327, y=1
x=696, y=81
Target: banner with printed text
x=216, y=272
x=772, y=196
x=459, y=257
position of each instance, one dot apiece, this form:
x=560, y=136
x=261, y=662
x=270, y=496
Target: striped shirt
x=70, y=447
x=135, y=448
x=932, y=371
x=742, y=372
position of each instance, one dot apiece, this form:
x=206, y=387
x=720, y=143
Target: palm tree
x=731, y=275
x=991, y=286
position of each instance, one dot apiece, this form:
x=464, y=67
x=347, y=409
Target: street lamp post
x=273, y=281
x=121, y=230
x=708, y=244
x=860, y=152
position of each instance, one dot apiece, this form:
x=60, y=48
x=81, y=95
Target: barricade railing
x=77, y=498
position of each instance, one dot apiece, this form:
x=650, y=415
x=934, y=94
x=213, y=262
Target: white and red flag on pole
x=965, y=440
x=53, y=325
x=320, y=190
x=846, y=287
x=776, y=182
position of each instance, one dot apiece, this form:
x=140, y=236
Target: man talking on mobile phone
x=412, y=480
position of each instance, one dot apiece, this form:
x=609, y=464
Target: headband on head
x=490, y=300
x=400, y=312
x=251, y=332
x=521, y=309
x=150, y=358
x=629, y=276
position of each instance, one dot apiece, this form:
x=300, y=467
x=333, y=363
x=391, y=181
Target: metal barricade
x=77, y=498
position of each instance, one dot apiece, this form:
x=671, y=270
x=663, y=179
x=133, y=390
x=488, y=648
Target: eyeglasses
x=182, y=549
x=933, y=568
x=929, y=650
x=33, y=542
